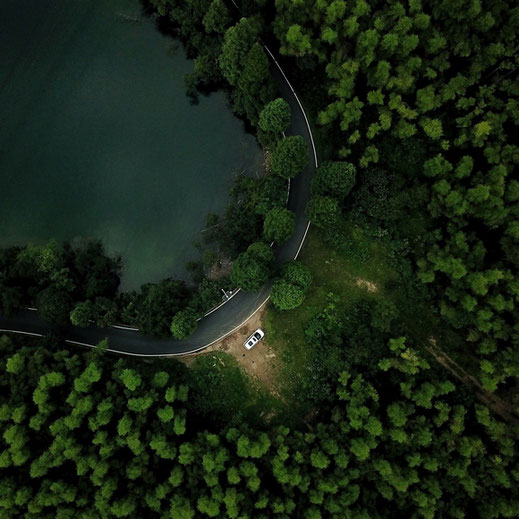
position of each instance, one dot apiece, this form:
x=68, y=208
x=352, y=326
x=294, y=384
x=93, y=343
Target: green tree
x=249, y=273
x=275, y=117
x=237, y=43
x=323, y=211
x=217, y=18
x=54, y=305
x=81, y=314
x=252, y=268
x=158, y=303
x=184, y=324
x=334, y=179
x=290, y=157
x=296, y=273
x=285, y=295
x=279, y=225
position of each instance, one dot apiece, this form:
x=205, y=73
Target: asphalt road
x=230, y=316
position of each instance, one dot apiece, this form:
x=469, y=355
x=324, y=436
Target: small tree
x=288, y=291
x=334, y=179
x=130, y=378
x=54, y=305
x=279, y=224
x=184, y=324
x=81, y=314
x=105, y=311
x=217, y=18
x=323, y=211
x=248, y=272
x=290, y=157
x=297, y=273
x=285, y=295
x=275, y=117
x=262, y=252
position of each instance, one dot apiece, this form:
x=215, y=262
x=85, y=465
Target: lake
x=98, y=139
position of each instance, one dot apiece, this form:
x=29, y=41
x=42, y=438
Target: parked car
x=254, y=339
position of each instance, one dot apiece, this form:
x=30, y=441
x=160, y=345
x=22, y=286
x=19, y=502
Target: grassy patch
x=335, y=274
x=225, y=395
x=365, y=267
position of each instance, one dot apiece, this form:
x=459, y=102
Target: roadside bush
x=323, y=211
x=334, y=179
x=262, y=252
x=297, y=273
x=105, y=311
x=54, y=305
x=275, y=117
x=81, y=314
x=158, y=303
x=279, y=225
x=252, y=268
x=285, y=295
x=272, y=193
x=184, y=324
x=290, y=157
x=288, y=291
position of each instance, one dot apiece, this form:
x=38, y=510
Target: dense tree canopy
x=88, y=436
x=427, y=92
x=53, y=277
x=430, y=91
x=158, y=304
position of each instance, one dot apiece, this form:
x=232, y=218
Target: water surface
x=98, y=140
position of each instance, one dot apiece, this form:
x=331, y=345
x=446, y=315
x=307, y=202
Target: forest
x=413, y=106
x=84, y=433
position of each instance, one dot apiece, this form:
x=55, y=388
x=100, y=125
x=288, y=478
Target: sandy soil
x=492, y=401
x=260, y=363
x=368, y=285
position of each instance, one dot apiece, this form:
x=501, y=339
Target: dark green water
x=97, y=137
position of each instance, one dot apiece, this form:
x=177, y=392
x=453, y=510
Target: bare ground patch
x=260, y=363
x=368, y=285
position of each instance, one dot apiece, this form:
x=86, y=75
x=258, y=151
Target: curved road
x=231, y=315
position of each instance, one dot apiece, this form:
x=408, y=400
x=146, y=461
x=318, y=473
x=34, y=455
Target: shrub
x=272, y=193
x=262, y=252
x=81, y=314
x=334, y=179
x=323, y=211
x=297, y=273
x=54, y=305
x=275, y=117
x=279, y=225
x=285, y=295
x=184, y=323
x=251, y=269
x=288, y=291
x=290, y=157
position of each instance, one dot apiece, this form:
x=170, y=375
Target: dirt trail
x=493, y=402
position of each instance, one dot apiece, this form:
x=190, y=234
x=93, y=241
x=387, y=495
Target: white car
x=254, y=339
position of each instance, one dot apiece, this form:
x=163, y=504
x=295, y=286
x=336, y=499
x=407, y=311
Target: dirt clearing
x=368, y=285
x=260, y=363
